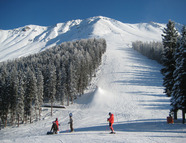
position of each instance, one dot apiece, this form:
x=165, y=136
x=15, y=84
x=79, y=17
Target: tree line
x=152, y=50
x=171, y=53
x=59, y=74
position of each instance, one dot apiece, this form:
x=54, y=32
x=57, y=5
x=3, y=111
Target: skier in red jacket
x=57, y=123
x=53, y=129
x=111, y=121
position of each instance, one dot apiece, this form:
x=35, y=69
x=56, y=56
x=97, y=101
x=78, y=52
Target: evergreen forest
x=152, y=50
x=58, y=74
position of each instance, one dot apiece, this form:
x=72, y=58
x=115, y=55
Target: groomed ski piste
x=127, y=84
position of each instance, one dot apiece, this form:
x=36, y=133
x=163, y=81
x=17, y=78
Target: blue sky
x=18, y=13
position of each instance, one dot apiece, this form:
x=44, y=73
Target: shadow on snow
x=146, y=125
x=144, y=73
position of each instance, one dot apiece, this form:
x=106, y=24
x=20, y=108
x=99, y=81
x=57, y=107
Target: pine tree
x=40, y=84
x=20, y=101
x=183, y=71
x=63, y=84
x=175, y=88
x=52, y=84
x=182, y=97
x=13, y=93
x=178, y=97
x=84, y=76
x=30, y=93
x=71, y=83
x=7, y=97
x=4, y=97
x=58, y=84
x=170, y=42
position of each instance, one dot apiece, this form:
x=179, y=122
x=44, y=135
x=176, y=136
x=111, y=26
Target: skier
x=54, y=128
x=57, y=123
x=111, y=121
x=71, y=122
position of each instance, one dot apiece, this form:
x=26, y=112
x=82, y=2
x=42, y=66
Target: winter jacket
x=54, y=128
x=111, y=119
x=71, y=121
x=57, y=123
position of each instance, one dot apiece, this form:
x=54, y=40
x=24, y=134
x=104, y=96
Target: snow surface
x=127, y=84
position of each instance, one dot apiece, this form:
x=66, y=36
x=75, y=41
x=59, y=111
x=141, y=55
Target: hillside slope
x=33, y=39
x=127, y=84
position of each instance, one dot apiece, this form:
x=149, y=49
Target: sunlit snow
x=127, y=84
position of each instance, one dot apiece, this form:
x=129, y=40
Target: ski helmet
x=70, y=114
x=109, y=113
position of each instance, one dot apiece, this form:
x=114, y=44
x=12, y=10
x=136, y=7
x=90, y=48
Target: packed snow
x=127, y=84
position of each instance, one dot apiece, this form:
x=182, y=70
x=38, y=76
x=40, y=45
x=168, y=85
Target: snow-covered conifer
x=30, y=93
x=178, y=99
x=40, y=85
x=170, y=43
x=20, y=101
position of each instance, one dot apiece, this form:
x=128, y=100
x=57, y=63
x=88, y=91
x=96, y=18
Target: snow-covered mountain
x=127, y=84
x=32, y=38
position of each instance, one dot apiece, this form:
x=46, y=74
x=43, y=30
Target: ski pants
x=71, y=127
x=111, y=127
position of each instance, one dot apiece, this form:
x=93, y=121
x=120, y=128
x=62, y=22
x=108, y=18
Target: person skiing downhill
x=111, y=121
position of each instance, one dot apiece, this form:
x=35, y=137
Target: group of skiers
x=55, y=125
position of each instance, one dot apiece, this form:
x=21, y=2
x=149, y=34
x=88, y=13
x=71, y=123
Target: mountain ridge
x=31, y=39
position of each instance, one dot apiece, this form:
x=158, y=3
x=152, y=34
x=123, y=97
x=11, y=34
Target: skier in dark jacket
x=54, y=128
x=71, y=122
x=111, y=121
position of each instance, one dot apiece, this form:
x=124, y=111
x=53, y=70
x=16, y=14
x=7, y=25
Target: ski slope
x=127, y=84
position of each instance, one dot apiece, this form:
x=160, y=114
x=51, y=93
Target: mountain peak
x=98, y=17
x=32, y=38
